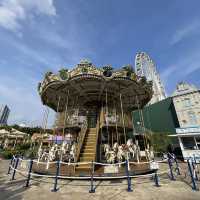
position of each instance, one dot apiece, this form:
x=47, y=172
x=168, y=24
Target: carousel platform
x=97, y=170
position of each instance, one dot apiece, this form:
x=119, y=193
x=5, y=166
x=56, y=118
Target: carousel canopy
x=87, y=84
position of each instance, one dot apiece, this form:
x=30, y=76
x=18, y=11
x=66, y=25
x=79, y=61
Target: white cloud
x=184, y=32
x=13, y=12
x=182, y=68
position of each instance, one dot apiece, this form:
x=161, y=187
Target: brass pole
x=123, y=117
x=65, y=116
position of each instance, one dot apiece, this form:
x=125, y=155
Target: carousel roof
x=86, y=83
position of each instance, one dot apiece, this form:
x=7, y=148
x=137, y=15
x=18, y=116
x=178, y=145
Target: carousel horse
x=65, y=148
x=106, y=149
x=137, y=151
x=115, y=147
x=40, y=152
x=122, y=153
x=131, y=147
x=111, y=157
x=72, y=153
x=109, y=154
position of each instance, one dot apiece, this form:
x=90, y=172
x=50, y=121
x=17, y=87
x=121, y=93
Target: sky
x=44, y=35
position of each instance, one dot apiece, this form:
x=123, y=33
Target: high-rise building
x=4, y=113
x=144, y=66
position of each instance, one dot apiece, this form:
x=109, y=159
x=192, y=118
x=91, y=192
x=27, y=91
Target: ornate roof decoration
x=87, y=80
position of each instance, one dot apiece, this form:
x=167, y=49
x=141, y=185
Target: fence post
x=29, y=173
x=194, y=186
x=92, y=189
x=194, y=170
x=128, y=177
x=177, y=166
x=171, y=171
x=11, y=162
x=55, y=189
x=156, y=179
x=14, y=171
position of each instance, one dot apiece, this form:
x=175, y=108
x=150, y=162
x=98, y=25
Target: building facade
x=4, y=114
x=186, y=99
x=144, y=66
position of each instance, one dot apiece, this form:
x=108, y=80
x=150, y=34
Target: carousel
x=93, y=123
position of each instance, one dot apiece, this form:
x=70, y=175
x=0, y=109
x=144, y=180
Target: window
x=187, y=102
x=188, y=143
x=192, y=118
x=198, y=141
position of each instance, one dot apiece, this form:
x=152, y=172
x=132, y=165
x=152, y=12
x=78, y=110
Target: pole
x=194, y=170
x=128, y=177
x=29, y=173
x=14, y=171
x=11, y=162
x=170, y=167
x=123, y=117
x=156, y=179
x=194, y=186
x=92, y=189
x=55, y=189
x=177, y=166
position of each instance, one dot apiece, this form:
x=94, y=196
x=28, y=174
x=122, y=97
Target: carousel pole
x=64, y=122
x=57, y=112
x=65, y=116
x=142, y=121
x=44, y=124
x=107, y=115
x=116, y=124
x=123, y=117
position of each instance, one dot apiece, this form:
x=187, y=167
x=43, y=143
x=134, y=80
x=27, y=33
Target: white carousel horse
x=111, y=157
x=109, y=154
x=115, y=147
x=121, y=154
x=131, y=147
x=106, y=149
x=137, y=151
x=72, y=152
x=40, y=152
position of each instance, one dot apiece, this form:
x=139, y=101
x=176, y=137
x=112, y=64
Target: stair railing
x=80, y=140
x=97, y=136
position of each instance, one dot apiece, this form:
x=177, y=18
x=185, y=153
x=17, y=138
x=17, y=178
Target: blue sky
x=41, y=35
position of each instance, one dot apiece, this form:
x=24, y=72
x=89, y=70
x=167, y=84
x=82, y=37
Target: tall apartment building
x=144, y=66
x=4, y=113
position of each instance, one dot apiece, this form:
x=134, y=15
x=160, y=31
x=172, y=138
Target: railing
x=81, y=139
x=112, y=120
x=97, y=136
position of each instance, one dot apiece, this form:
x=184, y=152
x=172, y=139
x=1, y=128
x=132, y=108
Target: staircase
x=88, y=151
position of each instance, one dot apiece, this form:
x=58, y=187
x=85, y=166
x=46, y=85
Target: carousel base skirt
x=99, y=171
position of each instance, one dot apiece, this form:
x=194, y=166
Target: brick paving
x=143, y=189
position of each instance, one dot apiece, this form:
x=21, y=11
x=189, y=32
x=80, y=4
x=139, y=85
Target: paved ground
x=143, y=189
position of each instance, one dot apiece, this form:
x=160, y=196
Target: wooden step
x=86, y=159
x=87, y=150
x=86, y=154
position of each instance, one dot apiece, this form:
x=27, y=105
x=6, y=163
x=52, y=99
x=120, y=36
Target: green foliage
x=6, y=127
x=22, y=150
x=161, y=142
x=84, y=69
x=63, y=74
